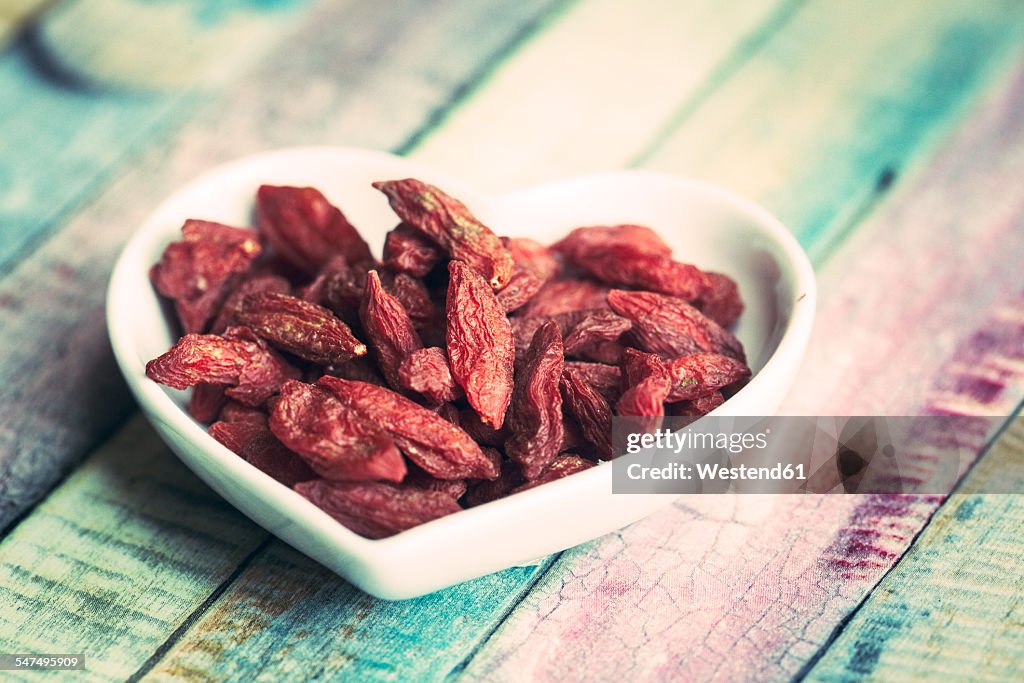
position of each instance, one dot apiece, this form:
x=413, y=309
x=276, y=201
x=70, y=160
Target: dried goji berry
x=565, y=296
x=419, y=479
x=606, y=379
x=533, y=266
x=407, y=250
x=591, y=410
x=360, y=369
x=721, y=302
x=416, y=301
x=671, y=327
x=197, y=272
x=535, y=416
x=647, y=384
x=524, y=328
x=255, y=443
x=482, y=432
x=480, y=492
x=479, y=343
x=637, y=239
x=377, y=510
x=439, y=447
x=253, y=285
x=336, y=440
x=699, y=374
x=251, y=371
x=234, y=411
x=426, y=372
x=206, y=401
x=448, y=222
x=388, y=329
x=261, y=377
x=562, y=466
x=299, y=327
x=305, y=228
x=697, y=407
x=595, y=328
x=315, y=291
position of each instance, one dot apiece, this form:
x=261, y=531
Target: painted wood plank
x=918, y=312
x=588, y=93
x=952, y=608
x=61, y=399
x=117, y=557
x=15, y=15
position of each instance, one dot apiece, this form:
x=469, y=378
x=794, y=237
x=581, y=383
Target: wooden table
x=888, y=136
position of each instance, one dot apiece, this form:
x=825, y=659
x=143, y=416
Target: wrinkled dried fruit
x=524, y=328
x=591, y=410
x=433, y=443
x=233, y=411
x=565, y=296
x=483, y=433
x=376, y=510
x=255, y=443
x=699, y=374
x=206, y=401
x=426, y=372
x=479, y=343
x=669, y=326
x=407, y=250
x=630, y=238
x=415, y=299
x=337, y=441
x=388, y=329
x=299, y=327
x=448, y=222
x=306, y=229
x=647, y=385
x=562, y=466
x=420, y=479
x=697, y=407
x=251, y=370
x=262, y=375
x=360, y=369
x=535, y=415
x=606, y=379
x=533, y=266
x=597, y=327
x=721, y=302
x=197, y=272
x=481, y=492
x=229, y=310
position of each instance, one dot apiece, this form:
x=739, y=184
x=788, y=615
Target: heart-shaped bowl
x=704, y=224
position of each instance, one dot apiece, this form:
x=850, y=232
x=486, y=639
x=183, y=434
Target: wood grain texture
x=953, y=607
x=915, y=316
x=116, y=558
x=64, y=396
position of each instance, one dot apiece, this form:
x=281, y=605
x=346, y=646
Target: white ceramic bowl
x=705, y=225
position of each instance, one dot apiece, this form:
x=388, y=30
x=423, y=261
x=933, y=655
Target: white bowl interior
x=705, y=225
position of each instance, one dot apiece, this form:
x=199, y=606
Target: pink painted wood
x=749, y=588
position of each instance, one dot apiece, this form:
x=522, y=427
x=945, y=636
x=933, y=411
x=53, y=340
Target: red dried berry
x=419, y=479
x=647, y=385
x=670, y=327
x=376, y=510
x=450, y=224
x=252, y=371
x=596, y=328
x=255, y=443
x=253, y=285
x=481, y=432
x=427, y=373
x=479, y=343
x=233, y=411
x=721, y=302
x=299, y=327
x=388, y=329
x=407, y=250
x=197, y=272
x=433, y=443
x=337, y=441
x=206, y=401
x=315, y=292
x=263, y=375
x=699, y=374
x=606, y=379
x=480, y=492
x=535, y=416
x=591, y=410
x=697, y=407
x=524, y=328
x=534, y=265
x=561, y=467
x=415, y=299
x=637, y=239
x=306, y=229
x=565, y=296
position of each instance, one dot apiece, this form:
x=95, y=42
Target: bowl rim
x=157, y=403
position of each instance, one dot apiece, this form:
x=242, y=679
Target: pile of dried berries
x=460, y=368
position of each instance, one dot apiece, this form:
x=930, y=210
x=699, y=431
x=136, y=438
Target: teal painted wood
x=953, y=607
